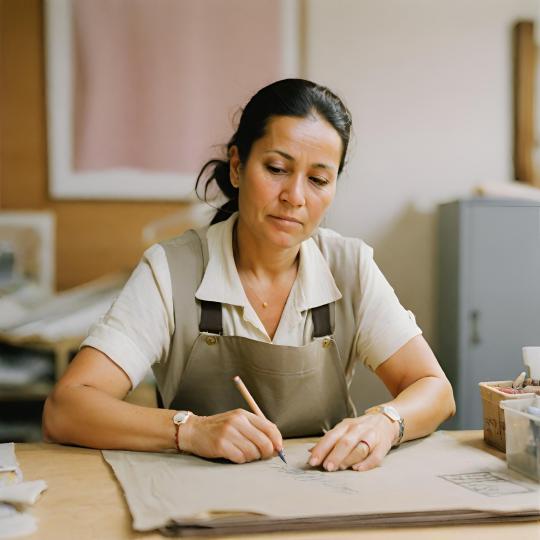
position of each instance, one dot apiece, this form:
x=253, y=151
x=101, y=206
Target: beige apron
x=302, y=390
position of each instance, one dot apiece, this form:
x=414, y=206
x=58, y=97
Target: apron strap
x=321, y=321
x=211, y=320
x=210, y=311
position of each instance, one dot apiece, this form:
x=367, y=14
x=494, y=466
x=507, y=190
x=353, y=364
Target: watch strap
x=177, y=427
x=401, y=423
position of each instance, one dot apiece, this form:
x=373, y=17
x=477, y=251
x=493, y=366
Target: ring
x=367, y=444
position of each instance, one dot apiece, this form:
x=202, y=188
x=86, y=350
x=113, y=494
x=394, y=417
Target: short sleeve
x=384, y=325
x=136, y=330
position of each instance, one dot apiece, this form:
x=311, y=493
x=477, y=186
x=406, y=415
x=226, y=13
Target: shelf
x=34, y=391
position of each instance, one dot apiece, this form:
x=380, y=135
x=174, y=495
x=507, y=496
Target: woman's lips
x=287, y=219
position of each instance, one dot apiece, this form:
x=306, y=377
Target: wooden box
x=494, y=427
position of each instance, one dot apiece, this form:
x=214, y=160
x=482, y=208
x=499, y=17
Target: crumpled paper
x=16, y=496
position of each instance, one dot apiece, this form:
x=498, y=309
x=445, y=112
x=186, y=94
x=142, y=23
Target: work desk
x=84, y=501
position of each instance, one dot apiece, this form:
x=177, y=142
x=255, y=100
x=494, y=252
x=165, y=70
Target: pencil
x=253, y=406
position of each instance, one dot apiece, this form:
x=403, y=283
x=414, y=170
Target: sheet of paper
x=8, y=461
x=431, y=475
x=16, y=495
x=14, y=524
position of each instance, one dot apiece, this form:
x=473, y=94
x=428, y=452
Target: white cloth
x=137, y=329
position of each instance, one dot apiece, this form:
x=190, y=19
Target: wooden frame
x=526, y=125
x=123, y=184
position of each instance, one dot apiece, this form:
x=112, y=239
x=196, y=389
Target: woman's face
x=289, y=179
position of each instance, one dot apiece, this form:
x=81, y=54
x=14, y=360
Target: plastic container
x=522, y=436
x=493, y=415
x=531, y=358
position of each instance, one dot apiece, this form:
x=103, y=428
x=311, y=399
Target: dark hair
x=288, y=97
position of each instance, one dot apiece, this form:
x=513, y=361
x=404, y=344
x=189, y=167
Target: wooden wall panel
x=524, y=103
x=22, y=130
x=93, y=238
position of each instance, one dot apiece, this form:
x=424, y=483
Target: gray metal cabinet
x=488, y=295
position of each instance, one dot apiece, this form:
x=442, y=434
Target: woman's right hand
x=239, y=436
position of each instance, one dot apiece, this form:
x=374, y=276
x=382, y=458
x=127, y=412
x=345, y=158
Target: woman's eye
x=275, y=170
x=319, y=180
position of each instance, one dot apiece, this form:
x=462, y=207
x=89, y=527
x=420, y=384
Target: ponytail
x=218, y=171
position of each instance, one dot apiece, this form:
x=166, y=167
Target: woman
x=265, y=294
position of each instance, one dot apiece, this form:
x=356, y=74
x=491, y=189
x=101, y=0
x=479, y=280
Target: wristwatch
x=391, y=413
x=181, y=417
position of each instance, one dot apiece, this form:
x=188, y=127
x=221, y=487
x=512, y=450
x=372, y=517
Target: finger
x=260, y=439
x=373, y=460
x=230, y=451
x=231, y=430
x=357, y=455
x=347, y=443
x=321, y=450
x=367, y=443
x=248, y=449
x=269, y=429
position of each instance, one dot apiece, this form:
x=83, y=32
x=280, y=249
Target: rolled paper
x=518, y=381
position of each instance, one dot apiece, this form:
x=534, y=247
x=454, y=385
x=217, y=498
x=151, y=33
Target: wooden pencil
x=253, y=406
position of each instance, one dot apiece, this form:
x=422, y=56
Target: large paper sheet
x=432, y=479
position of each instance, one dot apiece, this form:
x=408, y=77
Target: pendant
x=265, y=304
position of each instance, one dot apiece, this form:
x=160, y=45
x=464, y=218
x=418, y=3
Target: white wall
x=429, y=83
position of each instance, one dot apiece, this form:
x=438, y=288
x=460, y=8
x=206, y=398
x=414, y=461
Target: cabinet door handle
x=475, y=334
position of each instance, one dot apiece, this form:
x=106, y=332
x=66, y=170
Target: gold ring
x=367, y=444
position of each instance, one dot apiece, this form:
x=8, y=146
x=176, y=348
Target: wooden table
x=84, y=501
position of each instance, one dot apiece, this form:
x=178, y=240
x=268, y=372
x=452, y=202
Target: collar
x=314, y=285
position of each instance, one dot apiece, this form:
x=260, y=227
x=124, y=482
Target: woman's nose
x=293, y=190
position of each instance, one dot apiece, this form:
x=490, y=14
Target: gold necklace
x=264, y=303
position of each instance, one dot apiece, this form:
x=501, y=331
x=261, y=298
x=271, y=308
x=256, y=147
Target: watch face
x=391, y=413
x=180, y=417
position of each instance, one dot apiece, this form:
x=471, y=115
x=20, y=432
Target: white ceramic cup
x=531, y=358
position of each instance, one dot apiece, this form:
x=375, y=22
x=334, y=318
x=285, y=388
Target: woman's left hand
x=357, y=443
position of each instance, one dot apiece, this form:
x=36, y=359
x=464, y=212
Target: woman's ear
x=234, y=166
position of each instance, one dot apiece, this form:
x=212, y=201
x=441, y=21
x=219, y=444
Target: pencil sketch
x=328, y=480
x=486, y=483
